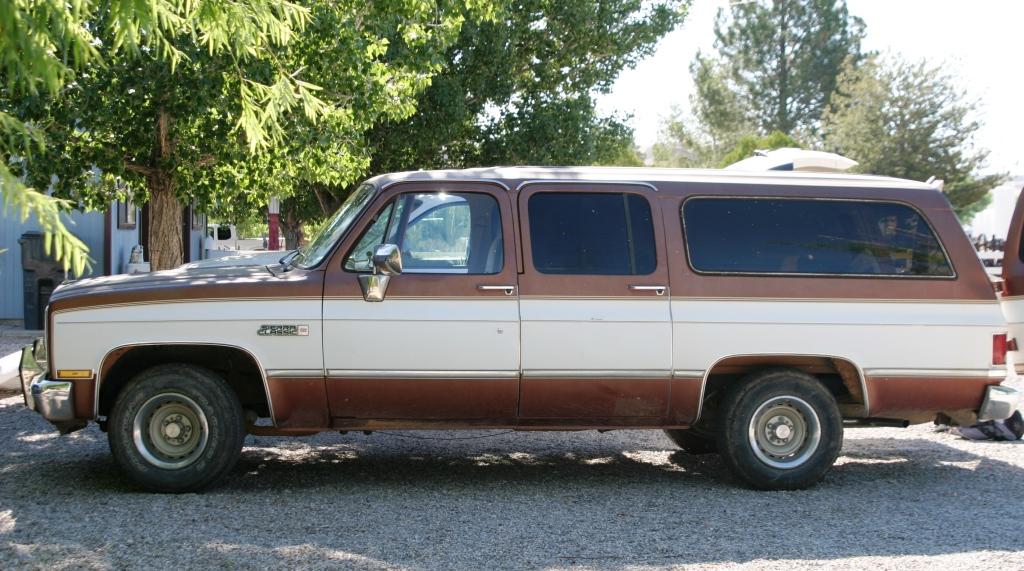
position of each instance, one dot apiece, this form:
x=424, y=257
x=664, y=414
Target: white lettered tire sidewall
x=224, y=426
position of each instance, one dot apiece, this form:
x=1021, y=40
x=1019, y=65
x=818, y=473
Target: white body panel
x=875, y=335
x=83, y=337
x=426, y=334
x=567, y=336
x=1013, y=309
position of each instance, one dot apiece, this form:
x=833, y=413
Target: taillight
x=999, y=349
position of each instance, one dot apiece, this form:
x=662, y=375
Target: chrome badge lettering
x=283, y=330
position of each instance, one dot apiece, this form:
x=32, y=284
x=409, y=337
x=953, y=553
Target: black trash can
x=41, y=274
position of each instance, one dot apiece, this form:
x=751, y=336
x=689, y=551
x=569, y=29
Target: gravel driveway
x=898, y=499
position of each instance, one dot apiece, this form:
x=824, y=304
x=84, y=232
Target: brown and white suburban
x=750, y=314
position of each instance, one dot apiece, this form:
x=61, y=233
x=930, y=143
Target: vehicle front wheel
x=176, y=428
x=779, y=430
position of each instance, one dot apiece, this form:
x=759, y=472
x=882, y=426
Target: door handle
x=657, y=289
x=508, y=289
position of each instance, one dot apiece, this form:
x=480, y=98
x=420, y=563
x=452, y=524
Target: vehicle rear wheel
x=779, y=430
x=691, y=442
x=176, y=428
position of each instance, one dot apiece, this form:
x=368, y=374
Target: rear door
x=594, y=303
x=1012, y=299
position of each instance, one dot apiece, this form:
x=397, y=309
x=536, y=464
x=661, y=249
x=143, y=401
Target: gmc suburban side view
x=749, y=314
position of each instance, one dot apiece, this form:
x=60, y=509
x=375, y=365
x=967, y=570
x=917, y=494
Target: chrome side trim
x=295, y=373
x=993, y=373
x=681, y=374
x=747, y=299
x=413, y=375
x=596, y=374
x=707, y=373
x=259, y=366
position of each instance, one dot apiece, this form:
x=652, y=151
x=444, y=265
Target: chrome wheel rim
x=784, y=432
x=170, y=431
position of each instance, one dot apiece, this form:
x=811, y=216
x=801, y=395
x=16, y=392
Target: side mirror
x=387, y=262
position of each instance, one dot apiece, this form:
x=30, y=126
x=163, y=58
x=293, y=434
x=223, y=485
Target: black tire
x=779, y=430
x=692, y=442
x=190, y=428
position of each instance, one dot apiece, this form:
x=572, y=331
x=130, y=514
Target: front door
x=444, y=343
x=594, y=303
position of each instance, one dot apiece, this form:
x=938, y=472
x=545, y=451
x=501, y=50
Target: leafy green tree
x=175, y=135
x=781, y=58
x=46, y=45
x=519, y=89
x=774, y=68
x=910, y=120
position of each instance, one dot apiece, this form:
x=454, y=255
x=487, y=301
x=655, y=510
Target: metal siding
x=86, y=225
x=121, y=241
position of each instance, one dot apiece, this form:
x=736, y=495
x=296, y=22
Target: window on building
x=805, y=236
x=591, y=233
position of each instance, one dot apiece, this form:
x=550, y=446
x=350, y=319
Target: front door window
x=437, y=233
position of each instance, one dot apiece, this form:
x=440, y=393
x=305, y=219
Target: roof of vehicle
x=653, y=175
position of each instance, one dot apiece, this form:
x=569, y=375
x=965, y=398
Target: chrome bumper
x=53, y=400
x=1000, y=402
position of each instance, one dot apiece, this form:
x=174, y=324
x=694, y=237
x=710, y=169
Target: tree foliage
x=781, y=58
x=910, y=120
x=46, y=45
x=227, y=128
x=774, y=68
x=520, y=89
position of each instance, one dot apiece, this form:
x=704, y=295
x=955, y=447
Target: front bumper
x=53, y=400
x=1000, y=402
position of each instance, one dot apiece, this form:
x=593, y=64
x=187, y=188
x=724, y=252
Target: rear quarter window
x=811, y=237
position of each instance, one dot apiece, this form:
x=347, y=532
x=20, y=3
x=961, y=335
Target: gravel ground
x=898, y=499
x=13, y=337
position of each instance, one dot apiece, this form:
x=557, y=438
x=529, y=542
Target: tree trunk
x=292, y=229
x=165, y=237
x=164, y=223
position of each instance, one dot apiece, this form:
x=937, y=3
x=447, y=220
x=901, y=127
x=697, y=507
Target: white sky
x=981, y=42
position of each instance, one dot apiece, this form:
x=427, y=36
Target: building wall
x=994, y=221
x=122, y=240
x=88, y=226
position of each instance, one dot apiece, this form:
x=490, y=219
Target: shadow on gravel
x=537, y=500
x=512, y=501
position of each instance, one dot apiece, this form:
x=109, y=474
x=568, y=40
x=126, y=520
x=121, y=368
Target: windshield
x=331, y=232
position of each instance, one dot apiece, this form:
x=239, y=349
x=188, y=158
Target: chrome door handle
x=657, y=289
x=508, y=289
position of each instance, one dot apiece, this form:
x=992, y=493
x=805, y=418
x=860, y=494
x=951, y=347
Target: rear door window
x=591, y=233
x=806, y=236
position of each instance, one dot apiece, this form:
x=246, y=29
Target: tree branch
x=141, y=169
